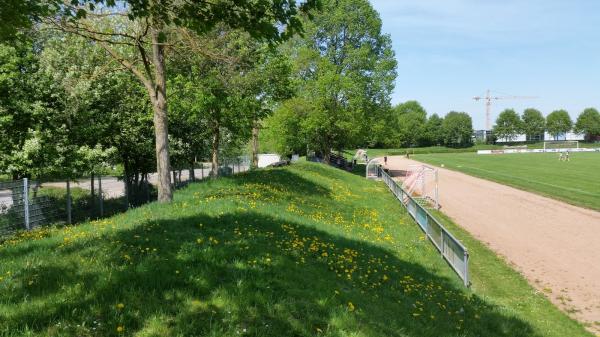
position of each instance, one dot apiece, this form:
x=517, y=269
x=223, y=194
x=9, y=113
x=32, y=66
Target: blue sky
x=451, y=50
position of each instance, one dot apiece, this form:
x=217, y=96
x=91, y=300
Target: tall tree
x=140, y=45
x=558, y=122
x=534, y=123
x=508, y=125
x=410, y=123
x=345, y=69
x=285, y=130
x=433, y=130
x=588, y=122
x=227, y=82
x=457, y=128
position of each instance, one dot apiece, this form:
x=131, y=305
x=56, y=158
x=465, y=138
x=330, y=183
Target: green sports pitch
x=576, y=182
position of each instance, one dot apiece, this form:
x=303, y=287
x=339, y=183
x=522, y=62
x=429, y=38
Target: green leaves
x=457, y=128
x=344, y=69
x=558, y=122
x=508, y=125
x=534, y=123
x=588, y=122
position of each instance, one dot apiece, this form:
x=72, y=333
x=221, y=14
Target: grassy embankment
x=306, y=250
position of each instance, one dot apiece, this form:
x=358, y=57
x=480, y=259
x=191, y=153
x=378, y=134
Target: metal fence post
x=100, y=195
x=68, y=201
x=443, y=244
x=26, y=202
x=437, y=201
x=466, y=274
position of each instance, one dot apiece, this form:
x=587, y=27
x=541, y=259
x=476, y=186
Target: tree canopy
x=409, y=124
x=508, y=125
x=457, y=129
x=588, y=123
x=344, y=70
x=533, y=124
x=558, y=122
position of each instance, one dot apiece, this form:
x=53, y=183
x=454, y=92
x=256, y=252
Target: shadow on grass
x=240, y=274
x=275, y=184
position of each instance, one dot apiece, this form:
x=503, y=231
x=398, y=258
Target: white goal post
x=558, y=145
x=421, y=182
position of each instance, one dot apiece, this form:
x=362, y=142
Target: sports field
x=576, y=182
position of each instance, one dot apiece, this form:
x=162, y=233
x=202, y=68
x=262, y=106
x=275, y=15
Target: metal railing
x=451, y=249
x=22, y=210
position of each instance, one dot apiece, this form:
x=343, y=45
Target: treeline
x=532, y=123
x=294, y=126
x=88, y=86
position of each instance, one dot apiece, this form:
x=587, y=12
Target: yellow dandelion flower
x=350, y=306
x=120, y=329
x=120, y=306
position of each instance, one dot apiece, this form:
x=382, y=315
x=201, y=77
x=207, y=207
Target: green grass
x=305, y=250
x=576, y=182
x=373, y=153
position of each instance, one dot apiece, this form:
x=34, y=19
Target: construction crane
x=488, y=104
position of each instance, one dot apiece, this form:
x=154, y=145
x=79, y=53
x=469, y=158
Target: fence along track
x=451, y=249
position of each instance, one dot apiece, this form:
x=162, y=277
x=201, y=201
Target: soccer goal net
x=558, y=145
x=421, y=183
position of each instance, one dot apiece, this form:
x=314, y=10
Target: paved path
x=554, y=245
x=112, y=187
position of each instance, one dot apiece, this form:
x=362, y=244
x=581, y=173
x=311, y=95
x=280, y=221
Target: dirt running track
x=554, y=245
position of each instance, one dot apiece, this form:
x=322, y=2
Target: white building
x=266, y=159
x=565, y=136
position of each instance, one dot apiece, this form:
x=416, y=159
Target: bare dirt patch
x=556, y=246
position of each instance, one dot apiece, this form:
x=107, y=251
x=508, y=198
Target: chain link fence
x=451, y=249
x=26, y=204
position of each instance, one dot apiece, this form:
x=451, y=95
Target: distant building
x=570, y=136
x=481, y=135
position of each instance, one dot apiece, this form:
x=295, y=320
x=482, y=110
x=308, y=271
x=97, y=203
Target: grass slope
x=305, y=250
x=576, y=182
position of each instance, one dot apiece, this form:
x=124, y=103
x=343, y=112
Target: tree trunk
x=127, y=188
x=215, y=152
x=159, y=105
x=255, y=144
x=93, y=191
x=327, y=156
x=192, y=176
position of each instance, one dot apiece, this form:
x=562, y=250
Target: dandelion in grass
x=120, y=306
x=120, y=329
x=350, y=306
